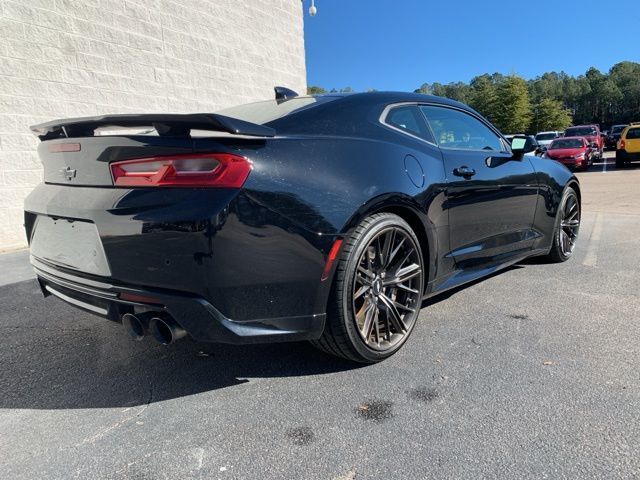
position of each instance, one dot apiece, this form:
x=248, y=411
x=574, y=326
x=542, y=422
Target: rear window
x=545, y=136
x=409, y=119
x=566, y=143
x=618, y=128
x=580, y=131
x=270, y=110
x=633, y=133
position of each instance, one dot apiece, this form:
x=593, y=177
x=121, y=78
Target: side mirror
x=519, y=146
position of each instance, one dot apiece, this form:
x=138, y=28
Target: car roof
x=397, y=97
x=357, y=112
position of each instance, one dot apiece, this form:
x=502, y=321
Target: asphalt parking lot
x=532, y=373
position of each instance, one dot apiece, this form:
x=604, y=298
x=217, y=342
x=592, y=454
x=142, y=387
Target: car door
x=491, y=197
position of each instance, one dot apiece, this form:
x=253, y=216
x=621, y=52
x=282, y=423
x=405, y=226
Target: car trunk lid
x=78, y=151
x=85, y=161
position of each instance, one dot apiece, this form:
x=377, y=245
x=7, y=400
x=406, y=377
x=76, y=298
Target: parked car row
x=577, y=148
x=580, y=145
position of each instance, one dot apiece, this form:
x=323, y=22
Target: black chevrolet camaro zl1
x=325, y=218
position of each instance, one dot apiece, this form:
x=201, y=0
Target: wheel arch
x=575, y=184
x=407, y=209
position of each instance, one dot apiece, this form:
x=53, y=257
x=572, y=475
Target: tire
x=565, y=230
x=363, y=283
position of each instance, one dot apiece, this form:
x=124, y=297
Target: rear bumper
x=196, y=315
x=219, y=245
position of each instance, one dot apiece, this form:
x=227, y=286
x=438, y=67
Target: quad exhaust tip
x=164, y=330
x=135, y=326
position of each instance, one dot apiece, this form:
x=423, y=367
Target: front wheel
x=377, y=291
x=567, y=227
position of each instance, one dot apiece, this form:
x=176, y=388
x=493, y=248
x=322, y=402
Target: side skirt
x=467, y=275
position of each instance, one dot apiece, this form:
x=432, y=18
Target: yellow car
x=628, y=148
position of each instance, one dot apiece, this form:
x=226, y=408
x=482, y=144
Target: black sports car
x=326, y=218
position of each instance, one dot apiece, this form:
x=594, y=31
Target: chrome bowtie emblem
x=68, y=173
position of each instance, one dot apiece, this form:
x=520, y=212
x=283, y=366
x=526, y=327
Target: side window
x=456, y=129
x=409, y=119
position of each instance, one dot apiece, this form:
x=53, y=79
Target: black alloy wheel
x=377, y=292
x=568, y=226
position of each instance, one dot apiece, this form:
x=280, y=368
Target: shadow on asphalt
x=56, y=357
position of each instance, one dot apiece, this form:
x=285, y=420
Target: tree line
x=552, y=101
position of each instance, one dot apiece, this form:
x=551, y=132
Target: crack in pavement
x=120, y=423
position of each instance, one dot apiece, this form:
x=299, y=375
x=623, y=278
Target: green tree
x=549, y=85
x=595, y=97
x=550, y=114
x=483, y=95
x=513, y=110
x=458, y=91
x=425, y=89
x=315, y=90
x=626, y=77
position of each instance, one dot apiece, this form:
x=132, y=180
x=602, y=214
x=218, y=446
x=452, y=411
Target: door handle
x=464, y=171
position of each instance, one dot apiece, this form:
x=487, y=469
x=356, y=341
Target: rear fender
x=411, y=211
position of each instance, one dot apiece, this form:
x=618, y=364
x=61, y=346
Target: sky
x=401, y=44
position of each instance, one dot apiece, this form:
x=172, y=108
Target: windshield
x=270, y=110
x=580, y=131
x=546, y=136
x=618, y=128
x=566, y=143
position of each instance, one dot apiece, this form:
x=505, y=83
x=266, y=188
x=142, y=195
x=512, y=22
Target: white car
x=545, y=138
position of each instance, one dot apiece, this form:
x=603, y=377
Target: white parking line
x=591, y=258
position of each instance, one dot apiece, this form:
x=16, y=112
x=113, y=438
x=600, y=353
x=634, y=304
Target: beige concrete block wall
x=65, y=58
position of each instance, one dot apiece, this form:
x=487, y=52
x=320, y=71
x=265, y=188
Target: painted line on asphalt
x=591, y=258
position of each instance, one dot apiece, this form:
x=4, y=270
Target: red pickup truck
x=591, y=133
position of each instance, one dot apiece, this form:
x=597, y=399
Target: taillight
x=218, y=170
x=621, y=144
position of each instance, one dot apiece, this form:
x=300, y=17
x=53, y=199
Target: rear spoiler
x=165, y=125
